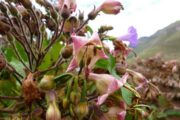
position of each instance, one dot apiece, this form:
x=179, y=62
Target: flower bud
x=41, y=2
x=54, y=14
x=111, y=7
x=92, y=15
x=26, y=3
x=67, y=51
x=75, y=97
x=70, y=24
x=65, y=12
x=50, y=24
x=10, y=37
x=4, y=28
x=13, y=10
x=47, y=82
x=81, y=16
x=103, y=29
x=65, y=102
x=47, y=4
x=81, y=110
x=3, y=7
x=53, y=112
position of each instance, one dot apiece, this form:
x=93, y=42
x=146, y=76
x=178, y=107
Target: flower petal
x=101, y=99
x=101, y=54
x=73, y=64
x=131, y=36
x=122, y=115
x=78, y=43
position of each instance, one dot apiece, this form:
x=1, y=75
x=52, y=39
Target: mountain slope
x=165, y=41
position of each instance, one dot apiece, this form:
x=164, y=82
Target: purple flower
x=131, y=36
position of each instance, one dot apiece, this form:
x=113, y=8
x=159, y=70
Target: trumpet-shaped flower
x=110, y=7
x=86, y=51
x=131, y=36
x=70, y=4
x=107, y=84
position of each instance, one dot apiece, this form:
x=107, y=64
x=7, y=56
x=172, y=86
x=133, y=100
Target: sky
x=147, y=16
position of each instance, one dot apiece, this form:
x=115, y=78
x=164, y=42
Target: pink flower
x=107, y=84
x=110, y=7
x=70, y=4
x=86, y=51
x=122, y=115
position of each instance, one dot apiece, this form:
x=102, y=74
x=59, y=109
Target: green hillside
x=165, y=41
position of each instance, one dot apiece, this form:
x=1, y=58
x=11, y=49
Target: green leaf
x=172, y=112
x=112, y=66
x=55, y=51
x=108, y=64
x=89, y=29
x=63, y=78
x=142, y=105
x=52, y=56
x=18, y=66
x=9, y=54
x=21, y=51
x=104, y=108
x=127, y=95
x=102, y=63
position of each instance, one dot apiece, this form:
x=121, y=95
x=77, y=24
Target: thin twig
x=81, y=26
x=18, y=38
x=39, y=42
x=26, y=40
x=59, y=62
x=19, y=57
x=31, y=40
x=7, y=111
x=54, y=38
x=11, y=97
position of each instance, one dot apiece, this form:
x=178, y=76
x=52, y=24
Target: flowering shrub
x=51, y=69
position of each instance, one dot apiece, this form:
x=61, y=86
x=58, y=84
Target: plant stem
x=81, y=26
x=39, y=42
x=7, y=111
x=18, y=38
x=26, y=40
x=18, y=55
x=11, y=97
x=55, y=38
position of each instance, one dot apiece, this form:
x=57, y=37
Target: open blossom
x=106, y=84
x=70, y=4
x=131, y=36
x=111, y=7
x=86, y=51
